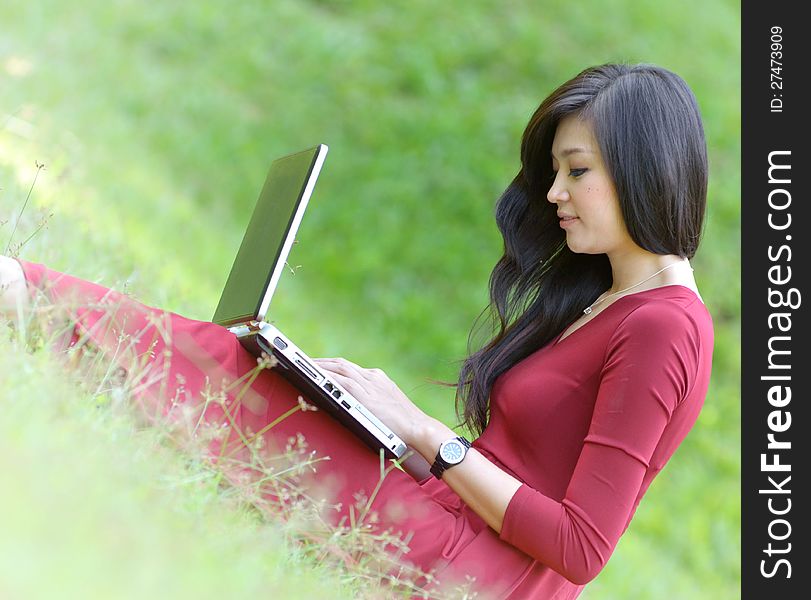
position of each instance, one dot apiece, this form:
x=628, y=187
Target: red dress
x=585, y=423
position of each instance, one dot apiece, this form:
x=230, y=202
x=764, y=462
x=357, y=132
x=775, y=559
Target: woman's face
x=584, y=192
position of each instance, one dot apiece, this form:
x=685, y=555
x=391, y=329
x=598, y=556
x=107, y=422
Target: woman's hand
x=482, y=485
x=378, y=393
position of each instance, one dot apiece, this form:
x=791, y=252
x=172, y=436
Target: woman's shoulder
x=664, y=314
x=677, y=302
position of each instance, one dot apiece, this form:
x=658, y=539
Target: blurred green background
x=157, y=121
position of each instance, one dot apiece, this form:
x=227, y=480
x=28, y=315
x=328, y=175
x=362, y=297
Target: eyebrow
x=575, y=150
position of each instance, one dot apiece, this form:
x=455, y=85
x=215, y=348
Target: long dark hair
x=648, y=128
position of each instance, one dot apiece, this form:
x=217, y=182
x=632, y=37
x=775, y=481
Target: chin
x=582, y=249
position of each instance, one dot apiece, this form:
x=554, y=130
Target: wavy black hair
x=648, y=128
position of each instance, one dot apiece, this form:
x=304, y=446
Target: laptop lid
x=270, y=234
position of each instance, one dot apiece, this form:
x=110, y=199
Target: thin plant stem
x=40, y=166
x=267, y=427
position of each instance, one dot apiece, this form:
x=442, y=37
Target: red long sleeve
x=647, y=388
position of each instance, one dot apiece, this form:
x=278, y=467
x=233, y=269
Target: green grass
x=157, y=122
x=92, y=507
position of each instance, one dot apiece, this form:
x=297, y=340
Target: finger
x=328, y=364
x=342, y=365
x=374, y=375
x=326, y=361
x=349, y=384
x=335, y=362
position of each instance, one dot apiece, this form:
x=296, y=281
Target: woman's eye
x=572, y=173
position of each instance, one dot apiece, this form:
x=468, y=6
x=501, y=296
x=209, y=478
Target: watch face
x=452, y=452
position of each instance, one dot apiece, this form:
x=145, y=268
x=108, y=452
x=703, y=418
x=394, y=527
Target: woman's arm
x=13, y=291
x=414, y=464
x=483, y=486
x=643, y=381
x=479, y=483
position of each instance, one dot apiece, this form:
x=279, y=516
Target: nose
x=557, y=191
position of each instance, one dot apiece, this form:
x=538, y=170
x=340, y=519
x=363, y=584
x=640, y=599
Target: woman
x=597, y=372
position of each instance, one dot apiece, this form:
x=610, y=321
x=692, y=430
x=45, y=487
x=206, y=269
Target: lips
x=566, y=217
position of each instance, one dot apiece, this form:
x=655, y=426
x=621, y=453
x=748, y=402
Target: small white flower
x=305, y=406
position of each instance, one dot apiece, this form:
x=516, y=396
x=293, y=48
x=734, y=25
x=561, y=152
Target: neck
x=631, y=268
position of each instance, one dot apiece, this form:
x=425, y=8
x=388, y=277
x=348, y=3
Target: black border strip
x=774, y=257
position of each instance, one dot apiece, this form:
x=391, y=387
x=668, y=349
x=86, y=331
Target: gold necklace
x=588, y=309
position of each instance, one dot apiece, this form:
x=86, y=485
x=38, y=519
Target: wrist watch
x=451, y=452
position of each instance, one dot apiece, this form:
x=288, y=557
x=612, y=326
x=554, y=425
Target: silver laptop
x=245, y=300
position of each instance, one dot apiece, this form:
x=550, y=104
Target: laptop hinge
x=246, y=328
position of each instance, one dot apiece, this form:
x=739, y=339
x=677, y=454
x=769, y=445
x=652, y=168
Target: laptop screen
x=270, y=234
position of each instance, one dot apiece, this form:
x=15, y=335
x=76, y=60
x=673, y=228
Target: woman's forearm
x=483, y=486
x=416, y=466
x=479, y=483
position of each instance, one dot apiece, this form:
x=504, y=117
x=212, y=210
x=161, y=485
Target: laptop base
x=319, y=390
